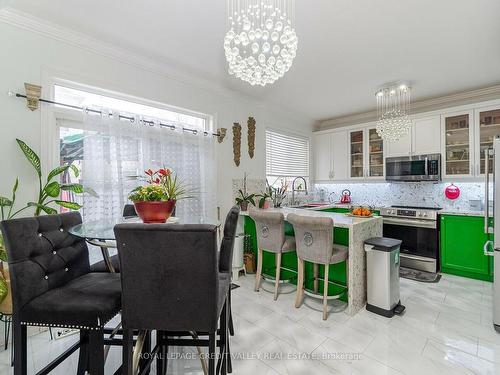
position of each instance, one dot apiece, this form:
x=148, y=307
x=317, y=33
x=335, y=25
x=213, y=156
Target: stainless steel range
x=417, y=227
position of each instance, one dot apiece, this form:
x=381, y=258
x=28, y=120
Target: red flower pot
x=155, y=212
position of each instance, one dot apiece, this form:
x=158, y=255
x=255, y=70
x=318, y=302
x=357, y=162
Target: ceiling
x=347, y=49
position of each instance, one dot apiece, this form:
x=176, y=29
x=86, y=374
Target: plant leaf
x=53, y=189
x=31, y=156
x=70, y=205
x=75, y=170
x=75, y=188
x=57, y=171
x=48, y=210
x=5, y=202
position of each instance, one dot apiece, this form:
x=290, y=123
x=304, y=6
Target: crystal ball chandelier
x=393, y=108
x=261, y=43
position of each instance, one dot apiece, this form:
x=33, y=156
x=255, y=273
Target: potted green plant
x=279, y=194
x=48, y=193
x=265, y=197
x=243, y=198
x=155, y=201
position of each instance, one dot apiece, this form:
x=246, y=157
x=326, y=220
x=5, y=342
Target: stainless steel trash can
x=382, y=261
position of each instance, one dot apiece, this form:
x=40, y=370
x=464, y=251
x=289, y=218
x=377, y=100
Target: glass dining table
x=101, y=233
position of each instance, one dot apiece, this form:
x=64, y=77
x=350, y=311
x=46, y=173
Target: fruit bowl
x=361, y=211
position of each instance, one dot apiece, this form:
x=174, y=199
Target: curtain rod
x=173, y=127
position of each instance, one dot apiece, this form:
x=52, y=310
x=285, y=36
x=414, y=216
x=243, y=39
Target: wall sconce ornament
x=251, y=136
x=222, y=134
x=33, y=93
x=237, y=143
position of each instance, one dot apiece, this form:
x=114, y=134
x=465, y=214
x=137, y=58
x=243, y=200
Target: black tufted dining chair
x=52, y=286
x=174, y=280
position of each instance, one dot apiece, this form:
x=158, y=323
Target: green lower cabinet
x=462, y=242
x=289, y=260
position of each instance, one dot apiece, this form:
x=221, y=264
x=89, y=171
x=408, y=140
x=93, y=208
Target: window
x=287, y=157
x=111, y=152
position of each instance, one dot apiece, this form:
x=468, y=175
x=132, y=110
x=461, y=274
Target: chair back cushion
x=43, y=255
x=169, y=275
x=227, y=243
x=270, y=229
x=313, y=237
x=129, y=211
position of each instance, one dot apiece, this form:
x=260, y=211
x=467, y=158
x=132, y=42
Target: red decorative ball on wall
x=452, y=192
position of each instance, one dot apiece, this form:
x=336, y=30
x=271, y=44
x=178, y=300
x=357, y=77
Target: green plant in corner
x=50, y=190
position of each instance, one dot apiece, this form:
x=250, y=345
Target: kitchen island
x=348, y=231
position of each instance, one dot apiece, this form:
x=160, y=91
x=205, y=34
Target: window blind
x=286, y=155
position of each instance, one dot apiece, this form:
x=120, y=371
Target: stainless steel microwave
x=413, y=168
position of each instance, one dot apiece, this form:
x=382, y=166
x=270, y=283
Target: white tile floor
x=446, y=329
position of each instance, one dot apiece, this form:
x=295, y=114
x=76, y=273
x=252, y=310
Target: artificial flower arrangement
x=155, y=201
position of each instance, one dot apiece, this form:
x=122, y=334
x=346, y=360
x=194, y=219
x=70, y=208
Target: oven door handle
x=411, y=223
x=421, y=259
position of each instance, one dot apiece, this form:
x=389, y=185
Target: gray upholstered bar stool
x=314, y=242
x=270, y=228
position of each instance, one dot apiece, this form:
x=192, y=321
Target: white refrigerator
x=494, y=229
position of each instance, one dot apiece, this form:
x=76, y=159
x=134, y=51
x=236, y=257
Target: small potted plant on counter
x=243, y=198
x=279, y=194
x=156, y=201
x=265, y=197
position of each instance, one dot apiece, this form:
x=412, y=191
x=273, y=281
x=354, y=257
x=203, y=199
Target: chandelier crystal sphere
x=261, y=43
x=393, y=107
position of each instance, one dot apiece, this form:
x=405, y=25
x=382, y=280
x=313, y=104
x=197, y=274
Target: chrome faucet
x=292, y=203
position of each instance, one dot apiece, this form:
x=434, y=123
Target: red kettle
x=346, y=196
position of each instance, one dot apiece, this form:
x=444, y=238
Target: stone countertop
x=461, y=212
x=339, y=220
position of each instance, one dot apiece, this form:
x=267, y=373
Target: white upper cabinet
x=401, y=147
x=423, y=138
x=339, y=155
x=322, y=152
x=330, y=156
x=426, y=135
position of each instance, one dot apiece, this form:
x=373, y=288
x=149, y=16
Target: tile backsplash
x=403, y=193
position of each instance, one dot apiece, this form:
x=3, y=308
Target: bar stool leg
x=316, y=276
x=278, y=275
x=300, y=283
x=325, y=292
x=258, y=276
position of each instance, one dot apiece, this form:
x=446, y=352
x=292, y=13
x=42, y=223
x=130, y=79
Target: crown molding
x=421, y=106
x=164, y=68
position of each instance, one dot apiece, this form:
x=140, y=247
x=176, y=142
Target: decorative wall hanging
x=237, y=143
x=222, y=134
x=33, y=93
x=452, y=192
x=251, y=136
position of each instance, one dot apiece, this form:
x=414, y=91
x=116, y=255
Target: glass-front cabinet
x=489, y=127
x=457, y=147
x=375, y=154
x=356, y=139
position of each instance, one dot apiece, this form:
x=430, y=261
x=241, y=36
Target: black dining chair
x=52, y=286
x=175, y=281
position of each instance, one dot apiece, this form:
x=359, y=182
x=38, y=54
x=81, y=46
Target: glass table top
x=103, y=229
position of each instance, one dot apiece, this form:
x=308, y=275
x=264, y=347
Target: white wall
x=26, y=56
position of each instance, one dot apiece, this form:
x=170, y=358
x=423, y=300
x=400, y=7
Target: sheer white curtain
x=115, y=151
